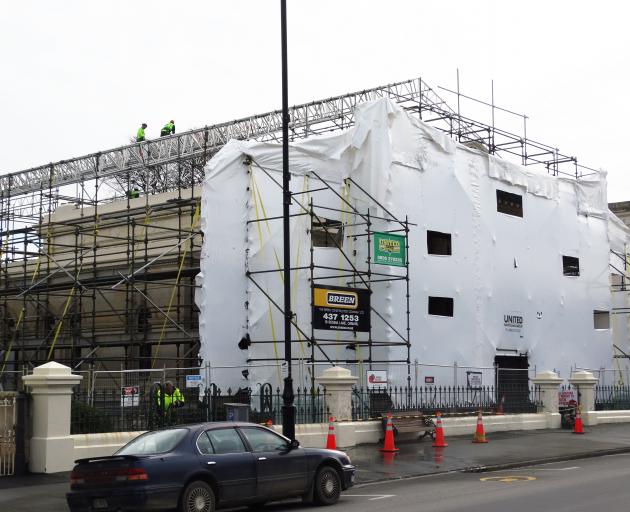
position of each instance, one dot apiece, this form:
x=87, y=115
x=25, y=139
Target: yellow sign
x=508, y=479
x=389, y=245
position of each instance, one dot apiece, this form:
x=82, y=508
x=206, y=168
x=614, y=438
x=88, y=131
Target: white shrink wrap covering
x=500, y=264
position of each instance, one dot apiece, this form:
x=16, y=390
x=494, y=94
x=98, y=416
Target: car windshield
x=153, y=442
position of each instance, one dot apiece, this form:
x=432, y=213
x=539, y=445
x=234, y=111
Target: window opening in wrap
x=327, y=233
x=601, y=320
x=439, y=243
x=510, y=204
x=570, y=266
x=441, y=306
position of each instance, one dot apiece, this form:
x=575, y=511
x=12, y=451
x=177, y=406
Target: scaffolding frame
x=83, y=289
x=355, y=274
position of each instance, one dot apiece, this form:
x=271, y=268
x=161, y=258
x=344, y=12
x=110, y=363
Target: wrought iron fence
x=612, y=397
x=10, y=380
x=8, y=421
x=136, y=408
x=372, y=403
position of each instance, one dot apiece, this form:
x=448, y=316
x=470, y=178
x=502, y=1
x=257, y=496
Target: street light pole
x=288, y=409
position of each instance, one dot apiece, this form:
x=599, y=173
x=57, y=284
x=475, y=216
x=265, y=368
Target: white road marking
x=558, y=469
x=541, y=469
x=372, y=497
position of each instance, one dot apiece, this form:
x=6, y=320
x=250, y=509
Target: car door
x=281, y=471
x=224, y=455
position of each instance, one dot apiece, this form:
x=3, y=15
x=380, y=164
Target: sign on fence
x=130, y=396
x=341, y=309
x=473, y=380
x=390, y=249
x=194, y=381
x=376, y=378
x=567, y=398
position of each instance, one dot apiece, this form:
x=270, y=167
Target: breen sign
x=390, y=249
x=341, y=309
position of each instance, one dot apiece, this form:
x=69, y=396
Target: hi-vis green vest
x=171, y=399
x=168, y=128
x=140, y=135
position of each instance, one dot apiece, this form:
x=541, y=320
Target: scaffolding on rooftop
x=91, y=275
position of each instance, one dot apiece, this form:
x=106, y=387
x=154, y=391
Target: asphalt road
x=601, y=483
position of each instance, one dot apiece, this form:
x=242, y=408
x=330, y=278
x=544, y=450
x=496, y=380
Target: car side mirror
x=294, y=444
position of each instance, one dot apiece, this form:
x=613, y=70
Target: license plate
x=99, y=503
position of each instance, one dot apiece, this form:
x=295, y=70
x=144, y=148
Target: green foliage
x=86, y=419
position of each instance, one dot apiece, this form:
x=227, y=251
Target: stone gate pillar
x=549, y=384
x=584, y=382
x=51, y=448
x=338, y=383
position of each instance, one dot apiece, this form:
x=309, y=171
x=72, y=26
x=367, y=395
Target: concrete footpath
x=504, y=450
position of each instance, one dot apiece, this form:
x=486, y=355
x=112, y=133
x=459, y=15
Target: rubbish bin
x=237, y=412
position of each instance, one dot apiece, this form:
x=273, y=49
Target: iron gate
x=8, y=420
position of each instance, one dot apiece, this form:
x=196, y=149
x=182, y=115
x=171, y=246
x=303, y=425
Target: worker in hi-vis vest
x=173, y=397
x=140, y=134
x=168, y=128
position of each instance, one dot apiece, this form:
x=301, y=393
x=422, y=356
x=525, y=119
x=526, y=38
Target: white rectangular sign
x=567, y=398
x=376, y=378
x=130, y=396
x=193, y=381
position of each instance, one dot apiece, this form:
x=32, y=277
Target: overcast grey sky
x=79, y=76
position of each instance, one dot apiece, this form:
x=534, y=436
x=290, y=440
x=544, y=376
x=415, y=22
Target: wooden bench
x=411, y=421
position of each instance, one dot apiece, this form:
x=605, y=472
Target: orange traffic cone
x=389, y=446
x=331, y=441
x=480, y=434
x=577, y=428
x=439, y=433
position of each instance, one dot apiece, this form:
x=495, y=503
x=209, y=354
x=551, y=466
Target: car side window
x=204, y=445
x=226, y=440
x=262, y=440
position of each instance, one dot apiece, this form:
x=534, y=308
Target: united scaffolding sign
x=341, y=309
x=390, y=249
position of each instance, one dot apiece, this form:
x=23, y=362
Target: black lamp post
x=288, y=409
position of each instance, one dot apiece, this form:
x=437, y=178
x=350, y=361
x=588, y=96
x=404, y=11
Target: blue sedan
x=200, y=468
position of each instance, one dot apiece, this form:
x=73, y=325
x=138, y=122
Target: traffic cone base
x=439, y=442
x=480, y=433
x=331, y=441
x=389, y=446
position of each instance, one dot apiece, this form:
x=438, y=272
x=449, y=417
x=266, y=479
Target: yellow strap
x=297, y=264
x=17, y=327
x=65, y=311
x=256, y=198
x=193, y=225
x=264, y=212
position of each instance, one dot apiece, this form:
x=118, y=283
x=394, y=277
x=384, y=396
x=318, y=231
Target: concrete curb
x=546, y=460
x=500, y=467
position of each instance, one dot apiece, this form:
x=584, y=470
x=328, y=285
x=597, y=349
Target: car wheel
x=198, y=497
x=327, y=486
